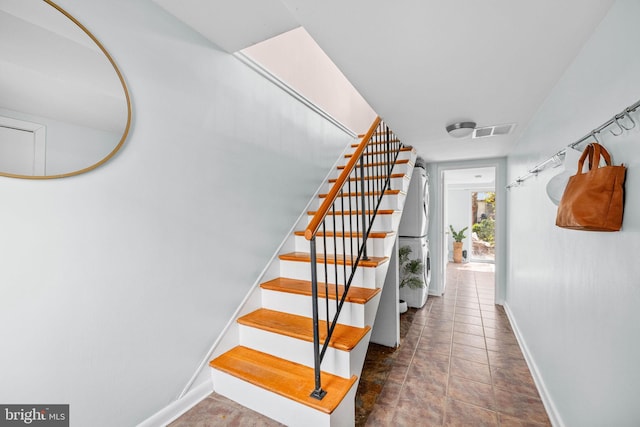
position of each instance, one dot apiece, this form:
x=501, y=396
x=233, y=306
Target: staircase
x=272, y=366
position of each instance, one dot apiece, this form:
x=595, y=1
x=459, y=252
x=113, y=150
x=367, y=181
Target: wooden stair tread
x=380, y=212
x=340, y=259
x=340, y=234
x=398, y=162
x=370, y=178
x=344, y=337
x=374, y=153
x=367, y=193
x=283, y=377
x=356, y=294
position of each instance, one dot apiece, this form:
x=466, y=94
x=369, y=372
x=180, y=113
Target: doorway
x=456, y=183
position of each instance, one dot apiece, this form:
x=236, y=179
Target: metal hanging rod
x=556, y=159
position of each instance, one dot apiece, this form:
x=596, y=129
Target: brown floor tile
x=515, y=380
x=405, y=355
x=507, y=421
x=505, y=345
x=473, y=320
x=520, y=406
x=491, y=315
x=389, y=394
x=468, y=311
x=460, y=414
x=425, y=380
x=435, y=335
x=475, y=393
x=217, y=410
x=435, y=340
x=506, y=360
x=432, y=360
x=367, y=395
x=499, y=334
x=466, y=352
x=499, y=323
x=398, y=374
x=441, y=314
x=465, y=304
x=469, y=339
x=471, y=370
x=381, y=415
x=469, y=329
x=439, y=325
x=467, y=296
x=424, y=409
x=489, y=307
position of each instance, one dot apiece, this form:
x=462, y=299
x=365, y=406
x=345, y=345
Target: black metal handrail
x=345, y=225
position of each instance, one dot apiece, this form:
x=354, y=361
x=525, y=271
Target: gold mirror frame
x=126, y=96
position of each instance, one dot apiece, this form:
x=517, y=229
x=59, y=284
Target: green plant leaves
x=411, y=269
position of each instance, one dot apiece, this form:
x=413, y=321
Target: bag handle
x=594, y=151
x=588, y=151
x=600, y=150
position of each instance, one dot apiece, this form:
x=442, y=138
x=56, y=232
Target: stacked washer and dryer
x=415, y=271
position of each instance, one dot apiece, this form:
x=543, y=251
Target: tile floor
x=458, y=365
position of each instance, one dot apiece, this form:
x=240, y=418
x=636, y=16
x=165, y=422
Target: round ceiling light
x=461, y=129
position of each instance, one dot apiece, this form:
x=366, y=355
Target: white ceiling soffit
x=233, y=25
x=471, y=177
x=424, y=64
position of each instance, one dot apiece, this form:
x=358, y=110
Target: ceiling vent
x=483, y=132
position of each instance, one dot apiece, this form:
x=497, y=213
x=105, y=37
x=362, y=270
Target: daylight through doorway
x=483, y=226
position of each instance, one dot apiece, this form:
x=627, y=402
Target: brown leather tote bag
x=593, y=200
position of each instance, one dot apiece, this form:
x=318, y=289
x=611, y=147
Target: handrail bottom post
x=318, y=392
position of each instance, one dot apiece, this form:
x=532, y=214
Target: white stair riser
x=375, y=246
x=391, y=201
x=281, y=409
x=335, y=361
x=358, y=315
x=401, y=183
x=403, y=168
x=382, y=222
x=402, y=155
x=364, y=277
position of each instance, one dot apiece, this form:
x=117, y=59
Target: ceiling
x=471, y=178
x=423, y=64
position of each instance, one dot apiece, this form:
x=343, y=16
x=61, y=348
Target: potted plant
x=410, y=273
x=410, y=269
x=402, y=306
x=458, y=236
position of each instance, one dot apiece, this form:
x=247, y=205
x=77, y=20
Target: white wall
x=575, y=296
x=115, y=283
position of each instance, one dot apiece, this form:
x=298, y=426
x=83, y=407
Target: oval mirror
x=64, y=106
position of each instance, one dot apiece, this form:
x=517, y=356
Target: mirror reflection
x=64, y=107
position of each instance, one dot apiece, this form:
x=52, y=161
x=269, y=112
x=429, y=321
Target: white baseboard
x=175, y=409
x=552, y=411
